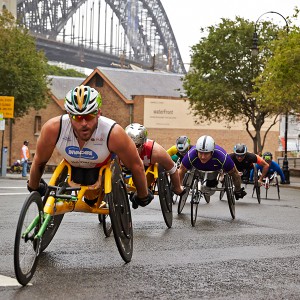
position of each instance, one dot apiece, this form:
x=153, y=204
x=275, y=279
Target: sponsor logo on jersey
x=85, y=153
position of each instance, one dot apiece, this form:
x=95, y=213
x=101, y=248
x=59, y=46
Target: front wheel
x=165, y=196
x=187, y=183
x=196, y=195
x=27, y=248
x=120, y=215
x=230, y=194
x=256, y=186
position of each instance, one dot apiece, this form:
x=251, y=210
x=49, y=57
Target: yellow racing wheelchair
x=159, y=183
x=40, y=219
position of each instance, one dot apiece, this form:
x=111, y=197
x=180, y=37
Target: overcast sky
x=188, y=16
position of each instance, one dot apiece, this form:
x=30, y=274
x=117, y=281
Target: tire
x=206, y=198
x=256, y=186
x=55, y=220
x=120, y=215
x=222, y=192
x=27, y=249
x=267, y=186
x=277, y=186
x=165, y=196
x=106, y=223
x=230, y=194
x=195, y=201
x=187, y=183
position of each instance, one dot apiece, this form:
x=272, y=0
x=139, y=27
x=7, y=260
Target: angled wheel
x=267, y=186
x=55, y=220
x=256, y=187
x=206, y=198
x=187, y=183
x=230, y=194
x=277, y=186
x=120, y=215
x=196, y=195
x=27, y=248
x=223, y=191
x=165, y=196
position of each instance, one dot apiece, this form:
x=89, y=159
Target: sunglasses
x=241, y=156
x=88, y=117
x=268, y=158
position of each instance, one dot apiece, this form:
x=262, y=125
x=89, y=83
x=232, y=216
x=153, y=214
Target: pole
x=285, y=164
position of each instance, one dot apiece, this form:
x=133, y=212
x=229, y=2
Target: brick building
x=150, y=98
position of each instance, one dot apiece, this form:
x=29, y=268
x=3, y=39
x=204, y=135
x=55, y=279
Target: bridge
x=91, y=33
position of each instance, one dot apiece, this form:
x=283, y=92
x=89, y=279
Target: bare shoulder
x=118, y=139
x=50, y=129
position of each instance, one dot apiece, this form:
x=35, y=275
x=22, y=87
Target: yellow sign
x=7, y=106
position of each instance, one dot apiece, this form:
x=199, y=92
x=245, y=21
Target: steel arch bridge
x=126, y=31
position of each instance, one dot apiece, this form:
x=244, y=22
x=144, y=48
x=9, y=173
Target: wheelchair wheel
x=206, y=198
x=187, y=183
x=27, y=249
x=120, y=215
x=256, y=187
x=196, y=195
x=223, y=191
x=165, y=196
x=230, y=194
x=277, y=186
x=55, y=220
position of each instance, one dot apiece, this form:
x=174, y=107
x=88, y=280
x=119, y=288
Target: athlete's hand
x=41, y=189
x=136, y=201
x=240, y=194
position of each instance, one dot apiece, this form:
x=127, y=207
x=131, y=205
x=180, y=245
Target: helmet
x=183, y=143
x=205, y=144
x=267, y=156
x=137, y=132
x=240, y=149
x=25, y=143
x=82, y=100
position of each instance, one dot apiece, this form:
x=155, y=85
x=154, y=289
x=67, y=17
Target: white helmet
x=205, y=144
x=137, y=132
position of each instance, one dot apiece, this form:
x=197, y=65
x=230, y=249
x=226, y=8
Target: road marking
x=8, y=281
x=12, y=187
x=12, y=194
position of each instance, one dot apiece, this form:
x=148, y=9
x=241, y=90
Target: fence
x=294, y=162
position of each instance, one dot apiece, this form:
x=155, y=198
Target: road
x=255, y=256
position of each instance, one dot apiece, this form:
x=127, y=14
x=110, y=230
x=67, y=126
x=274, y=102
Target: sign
x=172, y=114
x=7, y=106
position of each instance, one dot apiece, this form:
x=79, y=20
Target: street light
x=254, y=52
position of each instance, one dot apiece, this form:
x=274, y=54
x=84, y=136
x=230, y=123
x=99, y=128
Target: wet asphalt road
x=255, y=256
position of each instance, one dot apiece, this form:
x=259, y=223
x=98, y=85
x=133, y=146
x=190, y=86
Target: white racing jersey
x=94, y=153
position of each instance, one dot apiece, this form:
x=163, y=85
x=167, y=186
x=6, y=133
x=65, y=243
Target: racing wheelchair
x=40, y=219
x=159, y=183
x=200, y=184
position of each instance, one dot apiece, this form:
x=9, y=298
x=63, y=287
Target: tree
x=55, y=70
x=221, y=81
x=23, y=69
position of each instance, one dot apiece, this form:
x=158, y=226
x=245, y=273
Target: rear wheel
x=187, y=183
x=55, y=221
x=120, y=215
x=165, y=196
x=230, y=194
x=27, y=248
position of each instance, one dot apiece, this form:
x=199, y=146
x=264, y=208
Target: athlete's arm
x=44, y=149
x=265, y=167
x=122, y=145
x=236, y=178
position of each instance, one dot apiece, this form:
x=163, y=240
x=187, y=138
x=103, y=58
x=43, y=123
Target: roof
x=60, y=85
x=132, y=83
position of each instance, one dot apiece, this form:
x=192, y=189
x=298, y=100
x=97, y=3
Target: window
x=98, y=81
x=37, y=125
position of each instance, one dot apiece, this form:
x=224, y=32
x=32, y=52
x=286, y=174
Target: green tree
x=23, y=69
x=220, y=83
x=55, y=70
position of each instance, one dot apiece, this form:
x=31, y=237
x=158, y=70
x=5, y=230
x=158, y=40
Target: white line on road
x=12, y=194
x=12, y=187
x=8, y=281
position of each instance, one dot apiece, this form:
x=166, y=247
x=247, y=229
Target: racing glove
x=136, y=201
x=41, y=189
x=240, y=194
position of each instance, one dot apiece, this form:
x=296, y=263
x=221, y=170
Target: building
x=154, y=99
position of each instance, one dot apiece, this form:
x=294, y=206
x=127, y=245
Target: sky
x=188, y=16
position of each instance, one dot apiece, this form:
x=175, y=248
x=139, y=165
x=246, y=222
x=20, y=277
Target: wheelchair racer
x=207, y=156
x=272, y=167
x=245, y=160
x=182, y=146
x=151, y=152
x=87, y=141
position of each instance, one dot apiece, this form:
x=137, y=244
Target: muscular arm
x=265, y=167
x=160, y=155
x=236, y=178
x=120, y=143
x=44, y=150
